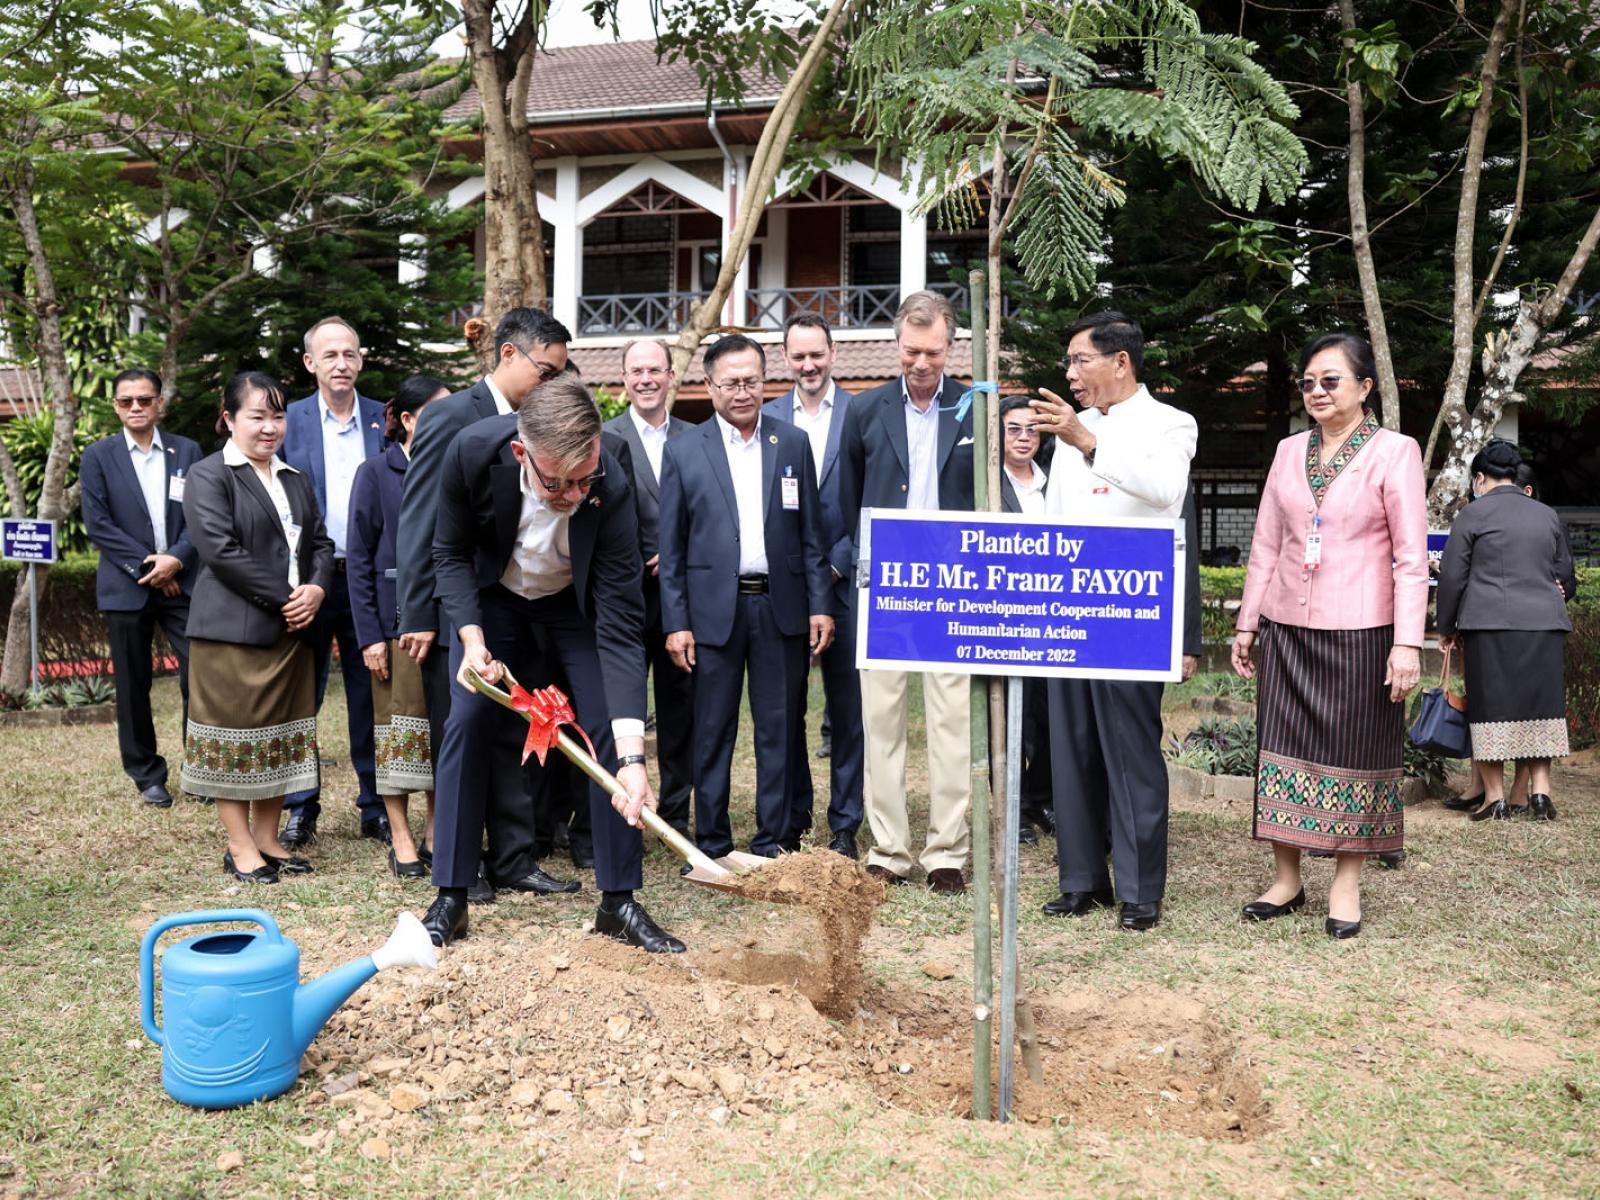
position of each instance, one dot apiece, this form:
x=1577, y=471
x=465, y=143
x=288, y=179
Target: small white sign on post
x=31, y=542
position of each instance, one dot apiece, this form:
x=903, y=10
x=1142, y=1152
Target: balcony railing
x=957, y=294
x=864, y=307
x=635, y=312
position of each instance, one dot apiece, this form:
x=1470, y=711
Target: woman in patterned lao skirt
x=1336, y=590
x=399, y=708
x=265, y=566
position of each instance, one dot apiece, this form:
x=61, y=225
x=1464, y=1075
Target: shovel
x=721, y=874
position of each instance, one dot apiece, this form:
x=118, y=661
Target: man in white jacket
x=1124, y=455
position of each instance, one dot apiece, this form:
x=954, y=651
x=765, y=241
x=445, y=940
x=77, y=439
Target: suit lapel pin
x=773, y=438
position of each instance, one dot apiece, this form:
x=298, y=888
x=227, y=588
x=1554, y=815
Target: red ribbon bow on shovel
x=547, y=709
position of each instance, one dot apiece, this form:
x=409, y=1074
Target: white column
x=411, y=268
x=775, y=253
x=566, y=283
x=913, y=235
x=737, y=307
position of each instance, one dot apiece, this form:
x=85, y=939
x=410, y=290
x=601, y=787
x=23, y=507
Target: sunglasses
x=136, y=401
x=1328, y=383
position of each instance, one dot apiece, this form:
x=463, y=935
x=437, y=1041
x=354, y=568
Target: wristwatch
x=630, y=760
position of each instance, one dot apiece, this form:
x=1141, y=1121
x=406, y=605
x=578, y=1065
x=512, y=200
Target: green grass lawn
x=1451, y=1050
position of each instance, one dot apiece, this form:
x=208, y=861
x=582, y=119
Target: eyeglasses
x=546, y=371
x=736, y=387
x=1019, y=433
x=1328, y=383
x=557, y=487
x=1080, y=360
x=149, y=401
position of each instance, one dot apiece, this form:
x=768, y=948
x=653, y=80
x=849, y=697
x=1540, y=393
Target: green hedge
x=71, y=629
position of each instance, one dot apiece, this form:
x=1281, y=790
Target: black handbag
x=1441, y=724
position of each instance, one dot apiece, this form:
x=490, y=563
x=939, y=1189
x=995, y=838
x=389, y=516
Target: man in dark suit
x=327, y=436
x=745, y=588
x=908, y=445
x=536, y=532
x=132, y=488
x=816, y=406
x=530, y=347
x=646, y=428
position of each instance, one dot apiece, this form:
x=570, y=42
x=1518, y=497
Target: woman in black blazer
x=266, y=563
x=1504, y=581
x=402, y=723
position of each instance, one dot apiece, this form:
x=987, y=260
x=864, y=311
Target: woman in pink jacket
x=1336, y=591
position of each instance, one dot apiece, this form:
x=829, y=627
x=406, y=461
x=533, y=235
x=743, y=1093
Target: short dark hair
x=135, y=374
x=1355, y=348
x=1012, y=403
x=527, y=327
x=1497, y=460
x=806, y=320
x=733, y=343
x=1527, y=479
x=241, y=387
x=1110, y=332
x=409, y=397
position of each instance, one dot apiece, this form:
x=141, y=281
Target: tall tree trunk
x=1361, y=238
x=765, y=163
x=1505, y=357
x=63, y=405
x=513, y=235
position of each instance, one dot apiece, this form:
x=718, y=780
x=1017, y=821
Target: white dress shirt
x=151, y=468
x=816, y=428
x=652, y=437
x=501, y=404
x=234, y=457
x=922, y=445
x=541, y=565
x=744, y=464
x=1141, y=462
x=1030, y=495
x=344, y=449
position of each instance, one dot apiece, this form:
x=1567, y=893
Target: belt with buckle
x=752, y=585
x=340, y=566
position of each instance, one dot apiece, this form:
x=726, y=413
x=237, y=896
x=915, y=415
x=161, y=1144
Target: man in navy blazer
x=327, y=436
x=132, y=489
x=908, y=444
x=744, y=587
x=816, y=406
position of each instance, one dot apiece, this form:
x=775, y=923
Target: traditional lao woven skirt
x=400, y=727
x=252, y=731
x=1332, y=743
x=1516, y=697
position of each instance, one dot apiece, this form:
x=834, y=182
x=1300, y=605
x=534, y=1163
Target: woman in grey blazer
x=266, y=563
x=1504, y=581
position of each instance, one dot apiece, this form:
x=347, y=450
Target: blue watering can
x=237, y=1016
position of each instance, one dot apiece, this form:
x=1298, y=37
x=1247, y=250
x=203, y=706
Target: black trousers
x=1036, y=785
x=477, y=771
x=673, y=691
x=132, y=635
x=841, y=684
x=335, y=624
x=1105, y=745
x=776, y=668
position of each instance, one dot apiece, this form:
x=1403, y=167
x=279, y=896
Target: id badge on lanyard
x=1314, y=545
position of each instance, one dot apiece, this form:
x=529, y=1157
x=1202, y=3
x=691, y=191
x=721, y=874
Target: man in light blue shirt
x=328, y=435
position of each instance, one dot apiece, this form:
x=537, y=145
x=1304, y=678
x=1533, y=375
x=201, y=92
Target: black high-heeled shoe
x=1541, y=807
x=1463, y=803
x=292, y=865
x=1343, y=930
x=425, y=854
x=1265, y=910
x=1494, y=812
x=265, y=873
x=407, y=870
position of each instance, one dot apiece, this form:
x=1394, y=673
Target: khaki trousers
x=946, y=701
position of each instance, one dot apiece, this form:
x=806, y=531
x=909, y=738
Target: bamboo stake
x=982, y=895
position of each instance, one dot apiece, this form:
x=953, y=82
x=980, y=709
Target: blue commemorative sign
x=27, y=541
x=1002, y=594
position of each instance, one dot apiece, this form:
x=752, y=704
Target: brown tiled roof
x=612, y=76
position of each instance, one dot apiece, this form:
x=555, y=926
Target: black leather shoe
x=1392, y=860
x=425, y=854
x=884, y=875
x=1495, y=812
x=1027, y=835
x=1140, y=916
x=1463, y=803
x=293, y=865
x=947, y=881
x=481, y=892
x=265, y=873
x=538, y=882
x=446, y=920
x=582, y=850
x=1342, y=930
x=630, y=923
x=1541, y=807
x=407, y=870
x=844, y=842
x=376, y=828
x=1262, y=910
x=1042, y=818
x=1077, y=904
x=157, y=796
x=300, y=830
